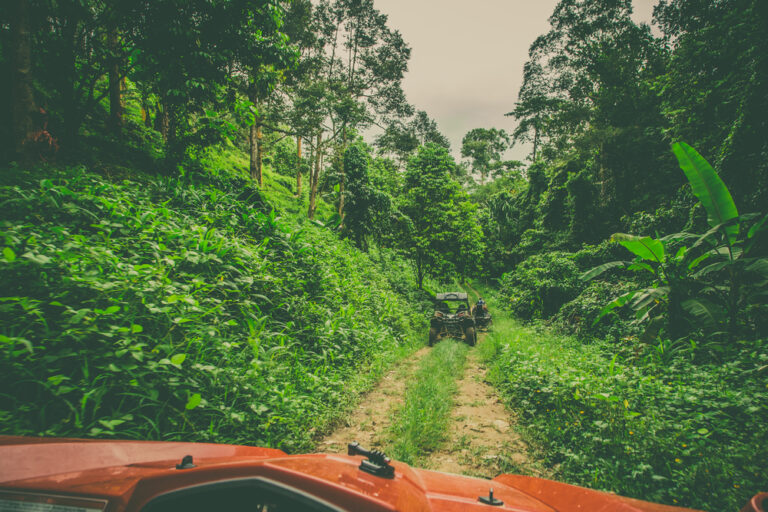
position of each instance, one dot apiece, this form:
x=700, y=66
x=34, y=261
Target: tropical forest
x=224, y=221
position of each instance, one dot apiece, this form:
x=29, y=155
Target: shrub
x=160, y=309
x=579, y=315
x=541, y=284
x=674, y=433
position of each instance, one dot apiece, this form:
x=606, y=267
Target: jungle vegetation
x=198, y=242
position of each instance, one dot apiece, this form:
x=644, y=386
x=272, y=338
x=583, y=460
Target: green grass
x=421, y=425
x=673, y=433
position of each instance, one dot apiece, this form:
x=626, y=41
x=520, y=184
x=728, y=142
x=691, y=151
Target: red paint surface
x=131, y=473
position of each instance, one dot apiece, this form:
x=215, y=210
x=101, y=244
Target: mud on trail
x=480, y=441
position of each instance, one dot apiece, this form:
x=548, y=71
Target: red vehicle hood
x=125, y=475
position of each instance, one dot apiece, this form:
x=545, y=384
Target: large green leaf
x=596, y=271
x=644, y=246
x=704, y=311
x=615, y=303
x=709, y=188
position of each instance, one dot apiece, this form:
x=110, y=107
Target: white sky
x=467, y=58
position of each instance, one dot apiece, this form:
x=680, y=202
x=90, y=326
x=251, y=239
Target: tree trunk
x=145, y=111
x=71, y=109
x=115, y=95
x=252, y=152
x=419, y=270
x=298, y=169
x=341, y=178
x=259, y=155
x=255, y=143
x=535, y=139
x=341, y=192
x=23, y=104
x=315, y=177
x=162, y=122
x=675, y=316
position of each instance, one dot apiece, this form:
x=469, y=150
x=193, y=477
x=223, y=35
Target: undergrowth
x=670, y=431
x=181, y=309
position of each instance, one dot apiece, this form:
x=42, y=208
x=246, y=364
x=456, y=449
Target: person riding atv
x=481, y=314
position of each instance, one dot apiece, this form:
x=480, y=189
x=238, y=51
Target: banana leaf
x=708, y=188
x=596, y=271
x=615, y=303
x=758, y=227
x=644, y=246
x=703, y=310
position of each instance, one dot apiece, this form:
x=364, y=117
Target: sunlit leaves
x=194, y=401
x=643, y=246
x=9, y=255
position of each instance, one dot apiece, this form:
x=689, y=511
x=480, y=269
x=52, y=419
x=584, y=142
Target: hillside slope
x=182, y=308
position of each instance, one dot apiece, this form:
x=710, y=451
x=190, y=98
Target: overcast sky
x=467, y=58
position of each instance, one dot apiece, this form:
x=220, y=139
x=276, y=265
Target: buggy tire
x=432, y=336
x=470, y=334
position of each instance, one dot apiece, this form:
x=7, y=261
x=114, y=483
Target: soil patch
x=368, y=424
x=481, y=441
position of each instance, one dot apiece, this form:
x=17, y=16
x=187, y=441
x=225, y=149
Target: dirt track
x=369, y=423
x=481, y=440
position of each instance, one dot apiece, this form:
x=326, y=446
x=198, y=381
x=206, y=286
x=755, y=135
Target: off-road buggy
x=453, y=318
x=100, y=475
x=482, y=316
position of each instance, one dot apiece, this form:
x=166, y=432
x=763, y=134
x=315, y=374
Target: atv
x=456, y=323
x=482, y=315
x=40, y=474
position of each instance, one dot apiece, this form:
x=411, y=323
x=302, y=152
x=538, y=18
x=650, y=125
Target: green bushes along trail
x=660, y=429
x=180, y=309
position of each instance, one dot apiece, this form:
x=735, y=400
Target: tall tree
x=588, y=93
x=22, y=98
x=534, y=108
x=359, y=64
x=365, y=203
x=713, y=91
x=403, y=138
x=442, y=234
x=484, y=148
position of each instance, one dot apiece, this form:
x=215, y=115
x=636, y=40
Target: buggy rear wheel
x=470, y=335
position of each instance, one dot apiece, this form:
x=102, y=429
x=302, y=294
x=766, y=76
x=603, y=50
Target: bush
x=160, y=309
x=669, y=432
x=590, y=256
x=541, y=284
x=578, y=315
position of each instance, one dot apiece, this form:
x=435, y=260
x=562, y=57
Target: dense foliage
x=651, y=426
x=602, y=101
x=181, y=309
x=166, y=273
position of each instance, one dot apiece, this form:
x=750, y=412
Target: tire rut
x=481, y=441
x=368, y=424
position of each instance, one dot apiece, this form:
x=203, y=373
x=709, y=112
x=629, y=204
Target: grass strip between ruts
x=421, y=425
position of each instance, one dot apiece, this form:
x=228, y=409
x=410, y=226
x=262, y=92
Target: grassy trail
x=597, y=418
x=370, y=421
x=436, y=410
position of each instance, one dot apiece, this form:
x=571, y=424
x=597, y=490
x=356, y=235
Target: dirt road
x=480, y=441
x=368, y=424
